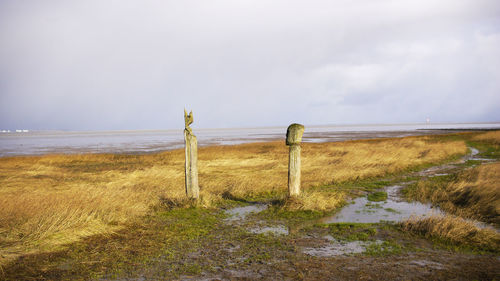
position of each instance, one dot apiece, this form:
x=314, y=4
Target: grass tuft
x=455, y=230
x=377, y=196
x=384, y=249
x=352, y=231
x=473, y=193
x=316, y=201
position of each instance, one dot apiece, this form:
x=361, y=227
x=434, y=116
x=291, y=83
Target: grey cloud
x=136, y=64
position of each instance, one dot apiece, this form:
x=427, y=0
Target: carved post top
x=294, y=134
x=188, y=120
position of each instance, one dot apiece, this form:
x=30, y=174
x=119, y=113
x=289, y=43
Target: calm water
x=393, y=209
x=43, y=142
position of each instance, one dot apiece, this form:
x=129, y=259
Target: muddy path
x=394, y=207
x=360, y=242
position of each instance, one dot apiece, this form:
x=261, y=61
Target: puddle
x=473, y=156
x=438, y=175
x=338, y=248
x=277, y=230
x=437, y=170
x=393, y=209
x=482, y=159
x=240, y=213
x=441, y=170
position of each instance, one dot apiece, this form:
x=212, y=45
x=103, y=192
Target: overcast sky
x=123, y=64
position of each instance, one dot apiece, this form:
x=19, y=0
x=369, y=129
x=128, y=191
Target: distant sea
x=148, y=141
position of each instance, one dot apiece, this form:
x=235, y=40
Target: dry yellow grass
x=475, y=193
x=252, y=168
x=493, y=137
x=320, y=201
x=51, y=200
x=454, y=229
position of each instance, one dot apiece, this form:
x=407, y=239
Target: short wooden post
x=293, y=139
x=191, y=167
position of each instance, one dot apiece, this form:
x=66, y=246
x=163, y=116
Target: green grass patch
x=391, y=210
x=377, y=196
x=374, y=185
x=389, y=247
x=487, y=149
x=352, y=231
x=371, y=205
x=190, y=223
x=470, y=163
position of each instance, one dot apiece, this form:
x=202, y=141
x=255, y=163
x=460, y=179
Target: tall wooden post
x=191, y=167
x=293, y=138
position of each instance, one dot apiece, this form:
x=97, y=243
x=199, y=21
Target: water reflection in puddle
x=474, y=156
x=393, y=209
x=240, y=213
x=439, y=175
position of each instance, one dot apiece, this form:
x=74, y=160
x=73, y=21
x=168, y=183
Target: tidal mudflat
x=151, y=141
x=125, y=216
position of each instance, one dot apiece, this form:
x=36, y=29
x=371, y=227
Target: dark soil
x=165, y=247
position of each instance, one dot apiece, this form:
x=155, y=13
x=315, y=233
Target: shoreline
x=143, y=144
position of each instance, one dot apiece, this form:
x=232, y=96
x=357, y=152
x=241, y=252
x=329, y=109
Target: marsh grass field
x=108, y=216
